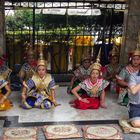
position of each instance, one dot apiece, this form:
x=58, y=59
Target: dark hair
x=138, y=73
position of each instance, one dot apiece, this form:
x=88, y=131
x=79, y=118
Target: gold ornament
x=85, y=57
x=115, y=51
x=29, y=49
x=41, y=61
x=136, y=52
x=97, y=65
x=94, y=90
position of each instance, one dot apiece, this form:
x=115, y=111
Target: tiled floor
x=65, y=113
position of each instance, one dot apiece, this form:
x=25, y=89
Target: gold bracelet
x=53, y=100
x=5, y=97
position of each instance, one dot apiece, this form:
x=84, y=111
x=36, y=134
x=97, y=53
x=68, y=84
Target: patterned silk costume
x=38, y=94
x=92, y=90
x=29, y=67
x=91, y=96
x=5, y=71
x=26, y=71
x=39, y=89
x=6, y=104
x=125, y=76
x=113, y=71
x=4, y=78
x=81, y=74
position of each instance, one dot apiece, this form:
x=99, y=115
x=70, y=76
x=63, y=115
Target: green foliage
x=10, y=22
x=23, y=19
x=20, y=19
x=57, y=31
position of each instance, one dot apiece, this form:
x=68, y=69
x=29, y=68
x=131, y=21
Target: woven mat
x=127, y=128
x=109, y=132
x=22, y=133
x=61, y=131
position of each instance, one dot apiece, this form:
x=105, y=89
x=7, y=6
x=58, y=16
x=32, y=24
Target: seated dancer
x=81, y=73
x=5, y=90
x=94, y=87
x=4, y=70
x=112, y=69
x=123, y=77
x=28, y=68
x=39, y=91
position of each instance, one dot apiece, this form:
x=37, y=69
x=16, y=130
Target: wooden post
x=131, y=28
x=2, y=28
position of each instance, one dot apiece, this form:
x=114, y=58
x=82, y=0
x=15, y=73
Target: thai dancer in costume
x=28, y=68
x=39, y=91
x=112, y=69
x=81, y=73
x=5, y=90
x=124, y=75
x=94, y=87
x=4, y=70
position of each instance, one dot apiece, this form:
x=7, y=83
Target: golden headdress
x=41, y=61
x=85, y=56
x=115, y=51
x=97, y=65
x=29, y=49
x=136, y=52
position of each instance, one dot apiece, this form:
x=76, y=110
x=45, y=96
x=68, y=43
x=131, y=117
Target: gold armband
x=5, y=97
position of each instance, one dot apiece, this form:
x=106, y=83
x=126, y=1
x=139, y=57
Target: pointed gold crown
x=85, y=56
x=136, y=52
x=29, y=49
x=97, y=65
x=41, y=61
x=115, y=50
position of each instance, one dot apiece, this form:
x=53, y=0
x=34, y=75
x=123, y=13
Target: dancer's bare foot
x=56, y=104
x=103, y=105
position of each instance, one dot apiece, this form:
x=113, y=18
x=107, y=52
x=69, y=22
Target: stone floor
x=64, y=114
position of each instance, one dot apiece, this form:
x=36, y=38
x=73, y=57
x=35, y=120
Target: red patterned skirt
x=94, y=103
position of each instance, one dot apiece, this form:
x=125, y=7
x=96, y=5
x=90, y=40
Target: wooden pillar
x=131, y=28
x=2, y=27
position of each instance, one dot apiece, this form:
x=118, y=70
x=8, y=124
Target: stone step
x=1, y=127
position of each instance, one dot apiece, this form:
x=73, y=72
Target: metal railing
x=58, y=37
